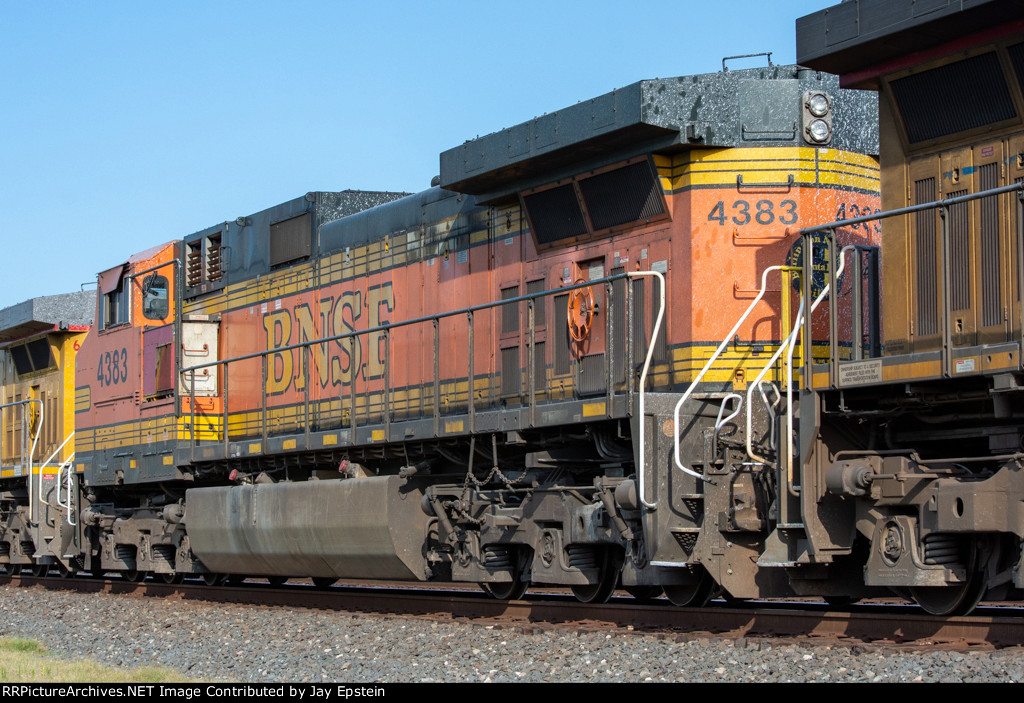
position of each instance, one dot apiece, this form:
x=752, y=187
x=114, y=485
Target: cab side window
x=155, y=300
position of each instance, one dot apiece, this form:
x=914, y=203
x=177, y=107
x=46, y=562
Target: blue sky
x=128, y=124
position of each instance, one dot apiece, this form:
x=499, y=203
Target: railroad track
x=887, y=623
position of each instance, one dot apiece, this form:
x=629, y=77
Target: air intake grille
x=959, y=254
x=624, y=195
x=953, y=98
x=21, y=362
x=927, y=290
x=511, y=375
x=290, y=240
x=510, y=311
x=555, y=214
x=42, y=355
x=991, y=292
x=1016, y=53
x=596, y=202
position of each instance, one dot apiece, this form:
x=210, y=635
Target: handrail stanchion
x=833, y=308
x=386, y=337
x=609, y=341
x=531, y=372
x=437, y=377
x=224, y=410
x=263, y=403
x=307, y=356
x=469, y=388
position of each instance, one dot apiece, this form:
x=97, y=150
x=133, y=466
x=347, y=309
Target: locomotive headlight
x=819, y=131
x=817, y=117
x=817, y=104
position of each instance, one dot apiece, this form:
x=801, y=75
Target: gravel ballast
x=273, y=644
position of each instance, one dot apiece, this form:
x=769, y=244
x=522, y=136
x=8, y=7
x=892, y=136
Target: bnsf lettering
x=332, y=363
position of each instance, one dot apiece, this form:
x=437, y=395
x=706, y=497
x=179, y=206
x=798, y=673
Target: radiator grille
x=953, y=98
x=539, y=304
x=539, y=368
x=991, y=288
x=510, y=311
x=927, y=291
x=592, y=380
x=959, y=254
x=555, y=214
x=1016, y=53
x=624, y=195
x=511, y=375
x=290, y=240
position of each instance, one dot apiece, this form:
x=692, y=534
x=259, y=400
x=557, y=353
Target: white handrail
x=642, y=467
x=719, y=422
x=707, y=366
x=48, y=460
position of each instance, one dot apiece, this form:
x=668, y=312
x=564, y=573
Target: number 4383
x=762, y=212
x=113, y=367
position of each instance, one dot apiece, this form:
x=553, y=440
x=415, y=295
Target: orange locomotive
x=484, y=381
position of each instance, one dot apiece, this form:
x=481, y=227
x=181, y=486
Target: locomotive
x=665, y=340
x=460, y=385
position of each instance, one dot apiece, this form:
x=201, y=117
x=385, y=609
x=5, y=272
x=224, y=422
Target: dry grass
x=26, y=661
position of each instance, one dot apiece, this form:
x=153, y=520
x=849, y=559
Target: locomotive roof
x=750, y=107
x=46, y=313
x=859, y=34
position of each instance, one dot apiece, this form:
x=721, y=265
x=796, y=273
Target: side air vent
x=991, y=291
x=927, y=283
x=21, y=362
x=1016, y=53
x=625, y=195
x=593, y=203
x=290, y=240
x=555, y=214
x=953, y=98
x=959, y=254
x=42, y=355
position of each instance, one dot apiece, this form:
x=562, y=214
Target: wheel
x=213, y=579
x=644, y=594
x=608, y=579
x=694, y=594
x=171, y=579
x=277, y=580
x=236, y=579
x=40, y=570
x=323, y=582
x=506, y=590
x=134, y=575
x=961, y=598
x=14, y=569
x=64, y=571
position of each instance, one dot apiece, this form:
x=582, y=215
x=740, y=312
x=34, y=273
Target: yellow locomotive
x=39, y=491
